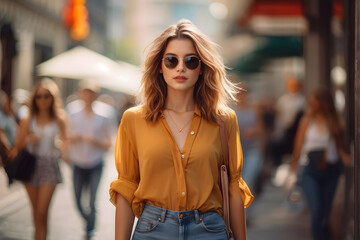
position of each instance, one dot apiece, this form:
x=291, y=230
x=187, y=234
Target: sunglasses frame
x=184, y=60
x=43, y=96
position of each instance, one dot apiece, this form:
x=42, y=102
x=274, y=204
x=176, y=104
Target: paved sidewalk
x=275, y=219
x=65, y=222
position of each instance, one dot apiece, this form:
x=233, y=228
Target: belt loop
x=197, y=217
x=163, y=214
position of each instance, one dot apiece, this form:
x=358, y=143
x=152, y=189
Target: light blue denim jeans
x=158, y=223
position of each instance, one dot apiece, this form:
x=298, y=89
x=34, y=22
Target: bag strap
x=224, y=177
x=224, y=144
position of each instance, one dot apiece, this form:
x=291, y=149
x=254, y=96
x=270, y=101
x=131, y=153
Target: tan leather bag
x=224, y=176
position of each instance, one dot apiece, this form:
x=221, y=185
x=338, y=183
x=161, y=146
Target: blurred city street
x=295, y=60
x=273, y=218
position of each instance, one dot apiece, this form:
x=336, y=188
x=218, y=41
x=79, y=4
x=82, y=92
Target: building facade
x=38, y=33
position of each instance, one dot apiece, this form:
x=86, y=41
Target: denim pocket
x=213, y=223
x=147, y=223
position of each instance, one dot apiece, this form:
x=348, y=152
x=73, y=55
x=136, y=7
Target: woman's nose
x=181, y=65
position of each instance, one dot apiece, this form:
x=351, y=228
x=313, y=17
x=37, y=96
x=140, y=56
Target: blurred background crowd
x=278, y=50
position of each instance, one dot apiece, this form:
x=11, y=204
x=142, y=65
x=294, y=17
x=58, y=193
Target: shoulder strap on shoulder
x=224, y=144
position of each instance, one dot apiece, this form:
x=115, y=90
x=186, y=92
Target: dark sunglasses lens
x=170, y=62
x=191, y=62
x=46, y=96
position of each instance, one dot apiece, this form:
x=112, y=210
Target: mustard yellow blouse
x=151, y=168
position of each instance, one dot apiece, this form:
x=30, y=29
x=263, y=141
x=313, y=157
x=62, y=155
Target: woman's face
x=313, y=103
x=43, y=99
x=180, y=76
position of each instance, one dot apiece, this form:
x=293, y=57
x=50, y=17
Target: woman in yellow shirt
x=168, y=150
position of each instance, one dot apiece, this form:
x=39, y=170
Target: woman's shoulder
x=229, y=115
x=61, y=116
x=26, y=120
x=133, y=113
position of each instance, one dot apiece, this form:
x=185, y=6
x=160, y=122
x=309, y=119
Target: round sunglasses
x=191, y=62
x=44, y=96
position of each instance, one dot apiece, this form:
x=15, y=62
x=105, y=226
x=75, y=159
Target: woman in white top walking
x=320, y=139
x=42, y=133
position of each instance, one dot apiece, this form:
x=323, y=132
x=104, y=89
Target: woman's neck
x=180, y=102
x=43, y=118
x=43, y=114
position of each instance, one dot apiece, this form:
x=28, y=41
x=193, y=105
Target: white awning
x=82, y=63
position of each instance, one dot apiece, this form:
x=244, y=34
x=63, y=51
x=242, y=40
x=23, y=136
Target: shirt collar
x=197, y=110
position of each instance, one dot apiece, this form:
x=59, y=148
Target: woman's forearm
x=237, y=215
x=124, y=219
x=298, y=144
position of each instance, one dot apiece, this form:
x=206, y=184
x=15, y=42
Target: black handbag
x=317, y=159
x=21, y=167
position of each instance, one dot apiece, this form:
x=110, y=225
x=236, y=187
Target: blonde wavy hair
x=213, y=90
x=56, y=109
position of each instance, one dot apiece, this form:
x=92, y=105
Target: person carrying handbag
x=168, y=151
x=319, y=140
x=42, y=132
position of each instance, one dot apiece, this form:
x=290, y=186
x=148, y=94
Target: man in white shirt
x=90, y=136
x=289, y=109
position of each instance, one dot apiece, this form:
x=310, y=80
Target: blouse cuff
x=124, y=187
x=246, y=195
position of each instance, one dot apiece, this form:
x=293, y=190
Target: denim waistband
x=175, y=215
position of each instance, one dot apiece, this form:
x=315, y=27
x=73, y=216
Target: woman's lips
x=180, y=78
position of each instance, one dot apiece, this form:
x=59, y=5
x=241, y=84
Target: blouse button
x=183, y=194
x=192, y=133
x=182, y=156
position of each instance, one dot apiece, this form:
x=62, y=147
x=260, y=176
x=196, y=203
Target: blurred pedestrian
x=319, y=145
x=251, y=127
x=42, y=132
x=8, y=127
x=168, y=150
x=288, y=111
x=90, y=136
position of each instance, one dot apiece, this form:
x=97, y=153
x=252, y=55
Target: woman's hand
x=345, y=158
x=13, y=153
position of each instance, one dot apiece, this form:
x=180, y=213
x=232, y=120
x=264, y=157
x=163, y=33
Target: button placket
x=183, y=156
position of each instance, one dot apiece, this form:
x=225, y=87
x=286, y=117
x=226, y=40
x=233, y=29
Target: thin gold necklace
x=179, y=129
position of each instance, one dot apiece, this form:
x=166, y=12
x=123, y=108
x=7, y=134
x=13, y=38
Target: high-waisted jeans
x=158, y=223
x=319, y=187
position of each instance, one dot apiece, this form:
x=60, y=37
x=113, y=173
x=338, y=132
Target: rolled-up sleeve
x=126, y=162
x=236, y=161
